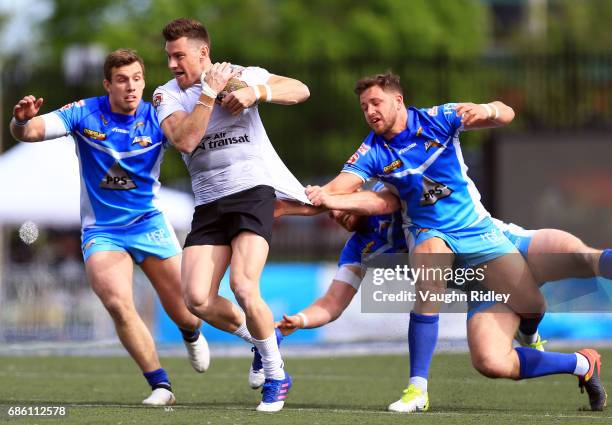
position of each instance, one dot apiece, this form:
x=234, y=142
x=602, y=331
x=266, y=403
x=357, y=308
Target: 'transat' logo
x=143, y=141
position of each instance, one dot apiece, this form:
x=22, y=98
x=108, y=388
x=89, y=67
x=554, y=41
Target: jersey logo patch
x=363, y=149
x=73, y=105
x=393, y=166
x=433, y=191
x=432, y=144
x=157, y=99
x=353, y=159
x=96, y=135
x=419, y=131
x=368, y=248
x=139, y=124
x=117, y=178
x=104, y=120
x=432, y=112
x=143, y=141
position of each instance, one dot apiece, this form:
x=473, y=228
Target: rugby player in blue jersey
x=416, y=153
x=120, y=147
x=490, y=333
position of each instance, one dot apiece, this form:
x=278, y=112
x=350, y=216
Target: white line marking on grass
x=342, y=410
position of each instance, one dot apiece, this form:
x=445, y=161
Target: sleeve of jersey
x=55, y=125
x=449, y=118
x=361, y=164
x=165, y=104
x=254, y=75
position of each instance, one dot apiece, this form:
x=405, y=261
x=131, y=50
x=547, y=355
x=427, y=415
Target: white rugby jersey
x=235, y=153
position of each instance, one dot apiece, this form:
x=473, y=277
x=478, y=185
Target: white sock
x=419, y=382
x=528, y=339
x=270, y=357
x=243, y=332
x=582, y=365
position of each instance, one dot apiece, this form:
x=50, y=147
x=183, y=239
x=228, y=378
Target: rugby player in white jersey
x=209, y=113
x=121, y=221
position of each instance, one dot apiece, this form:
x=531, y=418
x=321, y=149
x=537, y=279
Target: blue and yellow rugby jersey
x=383, y=234
x=425, y=165
x=119, y=158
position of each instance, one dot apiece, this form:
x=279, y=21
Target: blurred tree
x=326, y=44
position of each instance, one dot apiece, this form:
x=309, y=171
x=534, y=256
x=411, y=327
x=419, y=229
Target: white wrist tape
x=20, y=123
x=494, y=106
x=488, y=109
x=257, y=93
x=208, y=91
x=268, y=92
x=304, y=319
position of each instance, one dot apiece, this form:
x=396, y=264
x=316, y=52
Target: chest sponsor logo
x=117, y=178
x=120, y=130
x=143, y=141
x=92, y=134
x=407, y=148
x=221, y=140
x=433, y=191
x=432, y=144
x=393, y=166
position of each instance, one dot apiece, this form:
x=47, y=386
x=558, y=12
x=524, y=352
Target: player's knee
x=119, y=309
x=491, y=365
x=200, y=306
x=245, y=290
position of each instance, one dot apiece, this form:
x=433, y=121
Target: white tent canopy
x=40, y=182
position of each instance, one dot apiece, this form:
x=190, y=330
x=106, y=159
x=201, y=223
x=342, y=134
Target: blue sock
x=190, y=336
x=158, y=379
x=422, y=338
x=605, y=264
x=540, y=363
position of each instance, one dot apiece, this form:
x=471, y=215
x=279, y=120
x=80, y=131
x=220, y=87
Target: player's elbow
x=299, y=94
x=185, y=144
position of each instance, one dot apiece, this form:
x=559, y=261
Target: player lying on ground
x=490, y=333
x=209, y=113
x=417, y=153
x=120, y=146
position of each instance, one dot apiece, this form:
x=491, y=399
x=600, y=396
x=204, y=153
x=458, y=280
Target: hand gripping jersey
x=119, y=157
x=425, y=165
x=235, y=153
x=383, y=235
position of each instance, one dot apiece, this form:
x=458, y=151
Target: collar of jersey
x=400, y=137
x=121, y=118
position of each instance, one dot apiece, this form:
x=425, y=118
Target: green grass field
x=339, y=390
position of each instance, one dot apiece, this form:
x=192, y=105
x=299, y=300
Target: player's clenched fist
x=27, y=108
x=217, y=76
x=237, y=101
x=317, y=196
x=471, y=113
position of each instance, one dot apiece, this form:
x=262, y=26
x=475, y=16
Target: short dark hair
x=119, y=58
x=185, y=27
x=387, y=82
